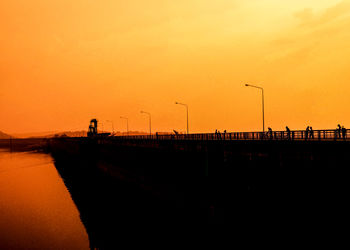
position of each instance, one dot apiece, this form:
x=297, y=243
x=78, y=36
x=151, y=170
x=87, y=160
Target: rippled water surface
x=36, y=210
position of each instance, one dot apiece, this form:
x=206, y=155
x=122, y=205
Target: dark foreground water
x=36, y=209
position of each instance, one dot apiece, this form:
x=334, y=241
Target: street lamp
x=102, y=126
x=150, y=127
x=127, y=124
x=263, y=104
x=112, y=125
x=186, y=111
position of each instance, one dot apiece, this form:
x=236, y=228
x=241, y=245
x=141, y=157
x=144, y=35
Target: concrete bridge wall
x=201, y=181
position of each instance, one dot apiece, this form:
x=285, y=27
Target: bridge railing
x=271, y=135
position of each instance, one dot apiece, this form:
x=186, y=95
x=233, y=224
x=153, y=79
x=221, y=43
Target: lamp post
x=102, y=126
x=150, y=125
x=186, y=113
x=127, y=124
x=112, y=125
x=263, y=102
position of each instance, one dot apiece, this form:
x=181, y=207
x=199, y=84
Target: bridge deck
x=323, y=135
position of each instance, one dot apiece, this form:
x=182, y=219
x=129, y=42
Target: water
x=36, y=209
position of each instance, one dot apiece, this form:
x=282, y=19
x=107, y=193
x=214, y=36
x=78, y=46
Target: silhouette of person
x=270, y=132
x=344, y=130
x=307, y=132
x=339, y=130
x=288, y=132
x=311, y=133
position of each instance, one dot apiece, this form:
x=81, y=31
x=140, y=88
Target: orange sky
x=63, y=62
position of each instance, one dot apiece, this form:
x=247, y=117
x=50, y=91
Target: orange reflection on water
x=36, y=210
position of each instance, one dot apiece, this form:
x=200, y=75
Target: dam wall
x=195, y=181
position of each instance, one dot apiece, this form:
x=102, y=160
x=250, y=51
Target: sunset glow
x=64, y=62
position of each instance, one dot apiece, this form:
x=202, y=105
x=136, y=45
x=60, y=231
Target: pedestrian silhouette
x=311, y=133
x=343, y=130
x=339, y=130
x=270, y=132
x=307, y=132
x=288, y=132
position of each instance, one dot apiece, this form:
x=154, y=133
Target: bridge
x=204, y=172
x=295, y=135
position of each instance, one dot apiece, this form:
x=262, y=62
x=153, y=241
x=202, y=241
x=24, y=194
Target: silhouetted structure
x=92, y=128
x=188, y=179
x=309, y=133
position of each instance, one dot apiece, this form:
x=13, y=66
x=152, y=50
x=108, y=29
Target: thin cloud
x=308, y=18
x=315, y=32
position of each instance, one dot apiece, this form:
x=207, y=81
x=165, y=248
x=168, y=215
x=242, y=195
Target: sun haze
x=63, y=62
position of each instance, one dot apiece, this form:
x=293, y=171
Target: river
x=36, y=209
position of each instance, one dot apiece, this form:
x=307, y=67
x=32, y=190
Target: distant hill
x=34, y=134
x=4, y=136
x=64, y=133
x=50, y=134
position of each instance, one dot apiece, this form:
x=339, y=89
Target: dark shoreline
x=25, y=144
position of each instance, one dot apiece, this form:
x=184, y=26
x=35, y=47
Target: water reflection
x=36, y=210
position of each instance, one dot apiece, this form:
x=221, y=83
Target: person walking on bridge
x=288, y=132
x=219, y=135
x=307, y=132
x=270, y=132
x=339, y=131
x=312, y=133
x=344, y=130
